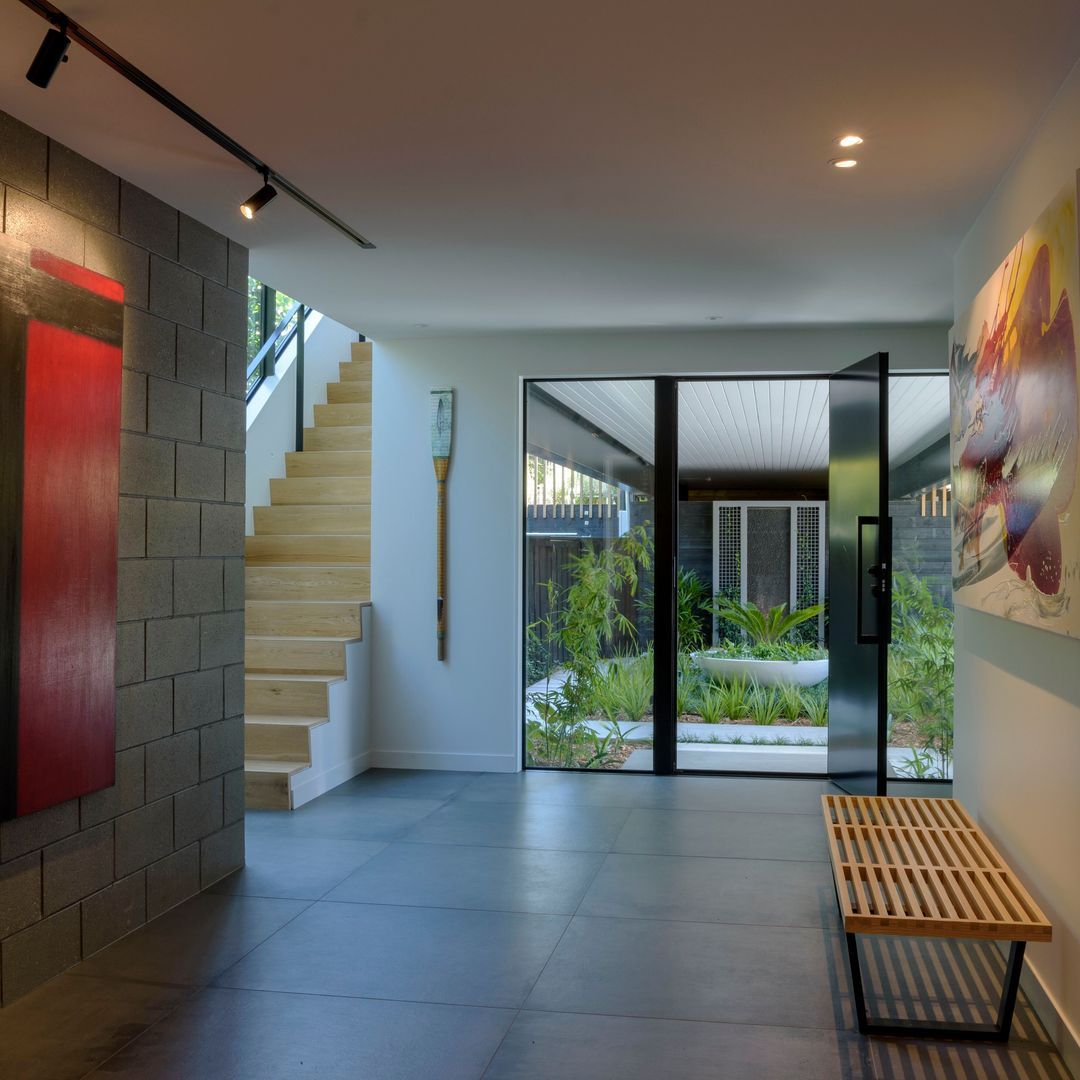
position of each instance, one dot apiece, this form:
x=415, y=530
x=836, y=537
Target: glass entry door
x=860, y=558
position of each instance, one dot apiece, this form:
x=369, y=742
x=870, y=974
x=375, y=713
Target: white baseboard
x=307, y=787
x=412, y=759
x=1065, y=1039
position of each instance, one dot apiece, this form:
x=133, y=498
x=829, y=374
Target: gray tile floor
x=432, y=926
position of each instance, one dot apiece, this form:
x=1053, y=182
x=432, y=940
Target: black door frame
x=665, y=566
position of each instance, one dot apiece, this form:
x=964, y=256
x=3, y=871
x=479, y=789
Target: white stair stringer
x=341, y=748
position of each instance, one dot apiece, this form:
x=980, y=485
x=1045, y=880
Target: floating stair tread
x=343, y=638
x=343, y=437
x=313, y=519
x=286, y=721
x=351, y=391
x=320, y=491
x=340, y=603
x=345, y=414
x=303, y=463
x=304, y=618
x=308, y=549
x=308, y=583
x=285, y=768
x=263, y=676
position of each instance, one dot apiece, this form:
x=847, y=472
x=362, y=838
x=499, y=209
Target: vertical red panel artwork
x=61, y=332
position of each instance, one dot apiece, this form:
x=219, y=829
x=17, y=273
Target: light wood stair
x=308, y=574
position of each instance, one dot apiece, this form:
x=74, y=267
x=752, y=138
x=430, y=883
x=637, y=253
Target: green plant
x=921, y=669
x=791, y=702
x=692, y=609
x=584, y=618
x=538, y=663
x=557, y=736
x=816, y=708
x=779, y=650
x=633, y=681
x=733, y=694
x=711, y=705
x=764, y=627
x=606, y=697
x=921, y=764
x=764, y=706
x=688, y=684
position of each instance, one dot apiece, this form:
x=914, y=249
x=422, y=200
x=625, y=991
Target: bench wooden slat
x=923, y=867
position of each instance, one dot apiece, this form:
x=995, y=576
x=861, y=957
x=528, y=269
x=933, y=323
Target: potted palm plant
x=766, y=654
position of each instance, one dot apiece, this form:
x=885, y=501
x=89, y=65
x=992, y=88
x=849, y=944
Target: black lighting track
x=55, y=17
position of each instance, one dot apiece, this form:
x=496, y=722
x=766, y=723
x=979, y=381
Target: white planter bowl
x=765, y=672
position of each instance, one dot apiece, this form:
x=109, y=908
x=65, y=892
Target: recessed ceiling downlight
x=850, y=140
x=843, y=163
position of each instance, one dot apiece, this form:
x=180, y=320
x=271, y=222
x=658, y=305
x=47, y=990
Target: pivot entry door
x=860, y=574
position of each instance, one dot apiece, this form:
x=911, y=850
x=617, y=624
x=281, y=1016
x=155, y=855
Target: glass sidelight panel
x=920, y=690
x=589, y=512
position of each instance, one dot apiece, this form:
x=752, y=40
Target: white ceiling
x=618, y=163
x=753, y=427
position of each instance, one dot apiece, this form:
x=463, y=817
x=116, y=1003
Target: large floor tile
x=736, y=793
x=767, y=891
x=69, y=1026
x=407, y=783
x=195, y=941
x=408, y=953
x=532, y=825
x=243, y=1035
x=297, y=867
x=585, y=788
x=492, y=878
x=724, y=834
x=783, y=976
x=360, y=818
x=541, y=1046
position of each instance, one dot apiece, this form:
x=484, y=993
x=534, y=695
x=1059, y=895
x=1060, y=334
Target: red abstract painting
x=61, y=333
x=1015, y=420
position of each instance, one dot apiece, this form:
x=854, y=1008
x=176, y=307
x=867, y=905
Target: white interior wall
x=465, y=712
x=271, y=414
x=1017, y=688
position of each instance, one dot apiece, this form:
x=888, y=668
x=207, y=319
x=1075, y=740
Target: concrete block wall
x=78, y=876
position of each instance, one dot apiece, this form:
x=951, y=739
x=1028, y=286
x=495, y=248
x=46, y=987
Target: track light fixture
x=50, y=55
x=250, y=207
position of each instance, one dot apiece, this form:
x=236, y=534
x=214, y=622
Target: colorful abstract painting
x=1016, y=503
x=61, y=333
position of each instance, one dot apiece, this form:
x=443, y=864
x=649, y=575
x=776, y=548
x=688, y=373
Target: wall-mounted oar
x=442, y=430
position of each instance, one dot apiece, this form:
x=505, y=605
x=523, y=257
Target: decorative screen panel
x=809, y=588
x=727, y=573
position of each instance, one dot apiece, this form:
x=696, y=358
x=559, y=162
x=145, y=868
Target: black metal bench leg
x=1013, y=970
x=939, y=1029
x=856, y=983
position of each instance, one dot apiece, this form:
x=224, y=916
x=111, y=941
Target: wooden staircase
x=308, y=574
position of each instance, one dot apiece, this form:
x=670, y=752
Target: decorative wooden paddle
x=442, y=429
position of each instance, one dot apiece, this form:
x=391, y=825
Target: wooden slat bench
x=923, y=868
